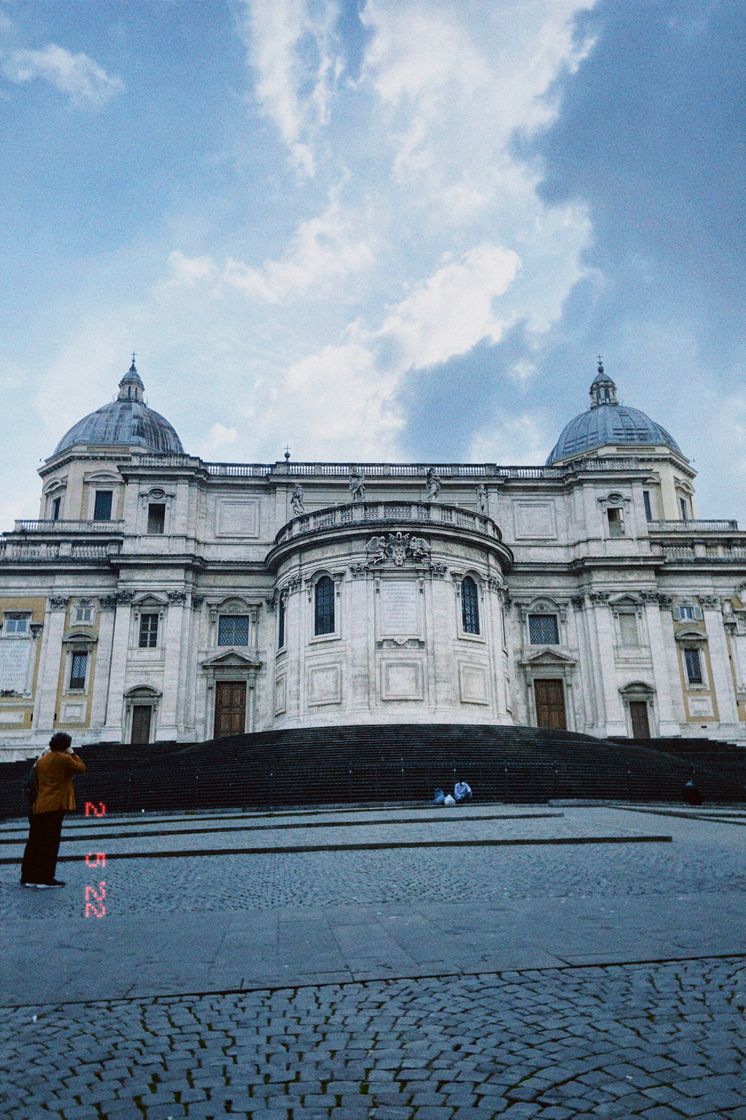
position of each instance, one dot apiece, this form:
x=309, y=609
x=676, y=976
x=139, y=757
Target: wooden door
x=142, y=715
x=230, y=708
x=638, y=710
x=550, y=703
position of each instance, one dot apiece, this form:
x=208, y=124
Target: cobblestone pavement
x=655, y=1041
x=704, y=858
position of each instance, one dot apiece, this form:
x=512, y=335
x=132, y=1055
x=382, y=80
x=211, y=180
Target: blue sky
x=373, y=228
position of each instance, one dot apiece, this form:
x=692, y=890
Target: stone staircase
x=394, y=762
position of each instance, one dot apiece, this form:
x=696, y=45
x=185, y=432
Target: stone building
x=160, y=597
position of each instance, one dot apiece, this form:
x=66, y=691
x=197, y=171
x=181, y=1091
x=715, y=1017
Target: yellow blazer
x=54, y=778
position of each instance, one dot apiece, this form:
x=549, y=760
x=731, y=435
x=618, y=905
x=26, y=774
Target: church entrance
x=638, y=711
x=142, y=715
x=550, y=703
x=230, y=708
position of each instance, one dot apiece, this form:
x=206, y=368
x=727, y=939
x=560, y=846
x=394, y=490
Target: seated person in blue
x=462, y=792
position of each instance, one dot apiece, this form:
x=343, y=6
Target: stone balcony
x=378, y=514
x=61, y=526
x=695, y=526
x=48, y=541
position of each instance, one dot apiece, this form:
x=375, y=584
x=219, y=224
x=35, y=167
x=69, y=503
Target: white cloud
x=290, y=45
x=220, y=439
x=187, y=271
x=324, y=249
x=86, y=83
x=345, y=394
x=453, y=309
x=511, y=440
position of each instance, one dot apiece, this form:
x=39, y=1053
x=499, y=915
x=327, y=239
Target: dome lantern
x=131, y=387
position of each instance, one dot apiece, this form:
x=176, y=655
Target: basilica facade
x=160, y=597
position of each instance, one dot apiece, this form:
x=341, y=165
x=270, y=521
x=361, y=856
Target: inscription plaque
x=15, y=659
x=399, y=606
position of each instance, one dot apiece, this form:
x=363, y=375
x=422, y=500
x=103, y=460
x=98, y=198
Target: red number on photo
x=92, y=811
x=96, y=907
x=98, y=858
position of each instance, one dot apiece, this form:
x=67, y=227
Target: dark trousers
x=42, y=846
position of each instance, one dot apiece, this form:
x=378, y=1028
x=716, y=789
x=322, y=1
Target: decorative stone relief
x=197, y=601
x=709, y=602
x=177, y=597
x=58, y=602
x=482, y=499
x=107, y=602
x=124, y=597
x=396, y=547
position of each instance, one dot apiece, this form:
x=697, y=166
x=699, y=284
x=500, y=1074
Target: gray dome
x=608, y=422
x=127, y=421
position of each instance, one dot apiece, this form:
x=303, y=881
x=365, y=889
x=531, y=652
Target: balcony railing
x=695, y=525
x=62, y=526
x=15, y=551
x=367, y=513
x=389, y=470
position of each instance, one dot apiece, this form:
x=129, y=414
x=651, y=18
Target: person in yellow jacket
x=55, y=771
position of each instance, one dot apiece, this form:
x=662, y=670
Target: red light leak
x=95, y=906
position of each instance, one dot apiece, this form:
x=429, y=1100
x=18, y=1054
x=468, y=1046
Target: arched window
x=469, y=606
x=324, y=606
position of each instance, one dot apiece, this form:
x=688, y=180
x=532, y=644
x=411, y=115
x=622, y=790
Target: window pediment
x=231, y=659
x=548, y=657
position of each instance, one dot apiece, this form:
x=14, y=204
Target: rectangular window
x=628, y=632
x=281, y=623
x=56, y=503
x=693, y=662
x=233, y=630
x=102, y=506
x=616, y=522
x=543, y=630
x=156, y=517
x=148, y=631
x=648, y=506
x=684, y=506
x=14, y=623
x=78, y=669
x=84, y=613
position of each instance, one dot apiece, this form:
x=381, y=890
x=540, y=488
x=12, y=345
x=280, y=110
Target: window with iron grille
x=469, y=606
x=281, y=623
x=148, y=631
x=233, y=630
x=543, y=630
x=78, y=669
x=693, y=661
x=324, y=606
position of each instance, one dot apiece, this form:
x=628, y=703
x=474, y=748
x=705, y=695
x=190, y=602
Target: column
x=667, y=722
x=104, y=654
x=45, y=701
x=168, y=713
x=112, y=732
x=722, y=678
x=613, y=722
